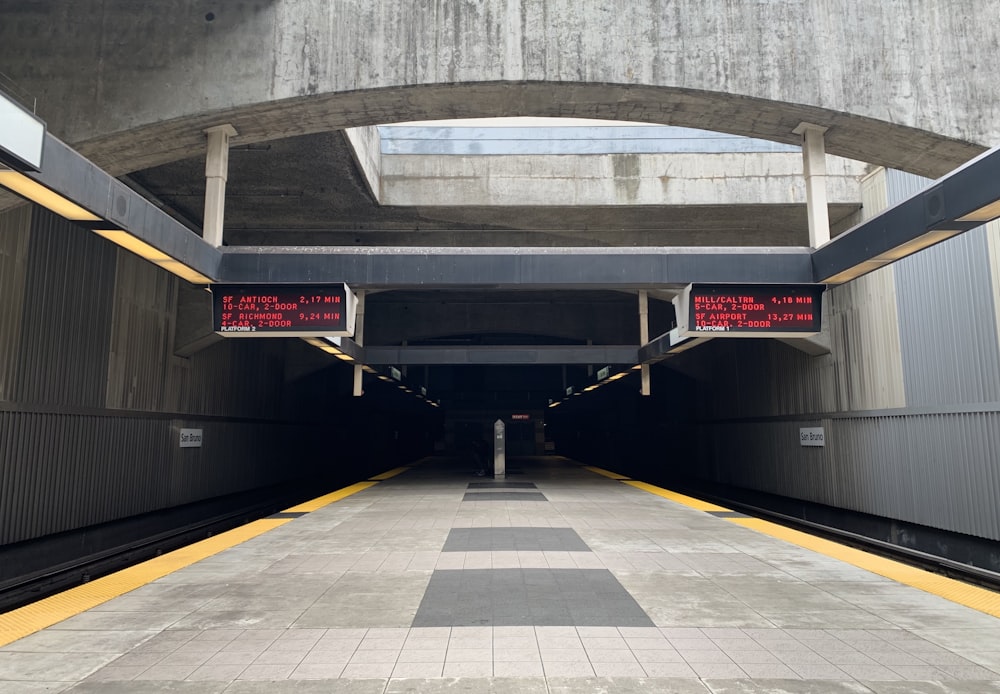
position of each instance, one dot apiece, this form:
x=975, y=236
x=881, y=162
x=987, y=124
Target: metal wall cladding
x=93, y=397
x=15, y=230
x=908, y=398
x=910, y=467
x=865, y=343
x=141, y=335
x=758, y=378
x=233, y=378
x=66, y=323
x=234, y=457
x=65, y=471
x=947, y=316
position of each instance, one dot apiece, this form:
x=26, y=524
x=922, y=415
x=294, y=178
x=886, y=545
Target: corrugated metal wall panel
x=67, y=317
x=865, y=343
x=97, y=342
x=908, y=467
x=66, y=471
x=910, y=339
x=992, y=232
x=142, y=335
x=15, y=230
x=947, y=316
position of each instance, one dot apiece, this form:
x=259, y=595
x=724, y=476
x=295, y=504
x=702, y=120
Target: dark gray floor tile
x=514, y=539
x=502, y=484
x=504, y=496
x=527, y=597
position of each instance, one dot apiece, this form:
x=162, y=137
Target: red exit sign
x=763, y=310
x=520, y=417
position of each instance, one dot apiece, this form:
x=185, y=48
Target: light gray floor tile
x=336, y=594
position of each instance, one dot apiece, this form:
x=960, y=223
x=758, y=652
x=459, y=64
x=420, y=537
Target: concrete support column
x=499, y=450
x=644, y=335
x=814, y=170
x=359, y=337
x=216, y=174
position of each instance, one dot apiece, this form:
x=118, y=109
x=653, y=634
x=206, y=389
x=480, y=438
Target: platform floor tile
x=514, y=539
x=502, y=484
x=406, y=587
x=527, y=597
x=504, y=496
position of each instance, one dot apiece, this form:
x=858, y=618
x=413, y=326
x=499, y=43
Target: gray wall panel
x=909, y=396
x=93, y=396
x=15, y=230
x=911, y=467
x=67, y=317
x=947, y=316
x=68, y=471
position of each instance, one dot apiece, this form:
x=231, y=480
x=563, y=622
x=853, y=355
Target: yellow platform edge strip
x=679, y=498
x=328, y=499
x=974, y=597
x=389, y=474
x=29, y=619
x=977, y=598
x=605, y=473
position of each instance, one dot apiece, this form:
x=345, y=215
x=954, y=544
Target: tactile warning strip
x=977, y=598
x=328, y=499
x=962, y=593
x=390, y=474
x=26, y=620
x=605, y=473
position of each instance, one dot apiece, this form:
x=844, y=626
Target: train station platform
x=559, y=579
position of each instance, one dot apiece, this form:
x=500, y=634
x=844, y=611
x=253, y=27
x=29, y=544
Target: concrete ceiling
x=308, y=190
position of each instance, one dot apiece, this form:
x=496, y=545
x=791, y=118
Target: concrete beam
x=731, y=178
x=962, y=200
x=502, y=354
x=516, y=268
x=74, y=177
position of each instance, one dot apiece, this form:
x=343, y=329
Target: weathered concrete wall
x=610, y=179
x=904, y=83
x=367, y=145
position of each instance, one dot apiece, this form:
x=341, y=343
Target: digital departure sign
x=750, y=310
x=281, y=310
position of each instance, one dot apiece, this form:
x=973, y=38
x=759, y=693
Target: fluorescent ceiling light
x=983, y=214
x=917, y=244
x=37, y=193
x=855, y=272
x=153, y=255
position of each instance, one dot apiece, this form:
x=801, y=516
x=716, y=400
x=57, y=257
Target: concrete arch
x=133, y=87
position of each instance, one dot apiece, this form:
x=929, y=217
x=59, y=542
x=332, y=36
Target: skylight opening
x=554, y=136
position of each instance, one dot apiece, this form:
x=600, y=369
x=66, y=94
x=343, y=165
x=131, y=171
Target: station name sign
x=283, y=310
x=749, y=310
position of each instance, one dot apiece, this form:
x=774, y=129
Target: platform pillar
x=499, y=450
x=359, y=337
x=644, y=336
x=814, y=170
x=216, y=175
